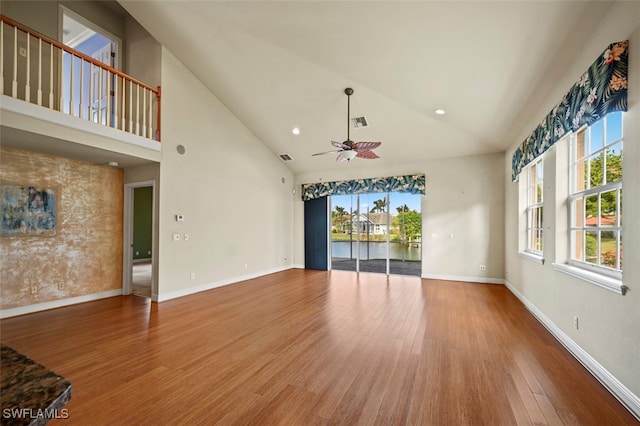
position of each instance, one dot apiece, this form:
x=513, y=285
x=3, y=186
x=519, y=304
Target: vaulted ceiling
x=280, y=65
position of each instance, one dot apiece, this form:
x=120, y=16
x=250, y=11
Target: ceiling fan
x=350, y=149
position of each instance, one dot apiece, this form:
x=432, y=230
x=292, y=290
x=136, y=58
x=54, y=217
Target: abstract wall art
x=27, y=210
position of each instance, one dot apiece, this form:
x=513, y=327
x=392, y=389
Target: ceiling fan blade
x=366, y=146
x=340, y=145
x=369, y=155
x=328, y=152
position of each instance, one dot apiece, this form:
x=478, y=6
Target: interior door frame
x=127, y=240
x=117, y=41
x=93, y=26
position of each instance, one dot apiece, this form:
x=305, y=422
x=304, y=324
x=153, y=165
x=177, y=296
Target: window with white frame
x=534, y=209
x=595, y=200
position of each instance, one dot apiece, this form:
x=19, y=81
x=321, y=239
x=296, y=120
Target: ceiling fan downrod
x=348, y=91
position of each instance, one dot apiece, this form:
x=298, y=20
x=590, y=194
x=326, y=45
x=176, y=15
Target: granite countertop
x=30, y=394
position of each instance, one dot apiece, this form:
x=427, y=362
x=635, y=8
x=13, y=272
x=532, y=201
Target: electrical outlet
x=23, y=52
x=34, y=288
x=483, y=267
x=186, y=237
x=246, y=266
x=60, y=285
x=176, y=237
x=193, y=275
x=575, y=322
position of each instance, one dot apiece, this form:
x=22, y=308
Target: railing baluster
x=1, y=58
x=130, y=106
x=91, y=89
x=14, y=83
x=144, y=113
x=115, y=101
x=51, y=106
x=109, y=121
x=123, y=120
x=100, y=97
x=80, y=103
x=150, y=130
x=61, y=104
x=71, y=112
x=137, y=110
x=27, y=86
x=40, y=72
x=105, y=102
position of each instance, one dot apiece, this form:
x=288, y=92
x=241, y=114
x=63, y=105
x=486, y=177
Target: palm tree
x=380, y=206
x=402, y=210
x=338, y=216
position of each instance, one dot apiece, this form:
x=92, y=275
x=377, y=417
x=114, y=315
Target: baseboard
x=630, y=400
x=296, y=266
x=209, y=286
x=22, y=310
x=483, y=280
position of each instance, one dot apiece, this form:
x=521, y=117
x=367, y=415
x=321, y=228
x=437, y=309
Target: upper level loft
x=58, y=96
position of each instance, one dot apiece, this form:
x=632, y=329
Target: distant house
x=372, y=223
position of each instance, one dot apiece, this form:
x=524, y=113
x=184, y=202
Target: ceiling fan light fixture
x=349, y=155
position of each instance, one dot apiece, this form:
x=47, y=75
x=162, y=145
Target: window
x=595, y=200
x=534, y=207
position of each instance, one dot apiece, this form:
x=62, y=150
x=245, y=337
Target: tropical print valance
x=413, y=184
x=601, y=89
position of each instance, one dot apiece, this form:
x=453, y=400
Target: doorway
x=89, y=99
x=139, y=226
x=380, y=232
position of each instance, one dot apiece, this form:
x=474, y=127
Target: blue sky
x=396, y=199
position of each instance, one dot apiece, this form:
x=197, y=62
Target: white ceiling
x=278, y=65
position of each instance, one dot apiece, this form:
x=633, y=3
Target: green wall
x=142, y=222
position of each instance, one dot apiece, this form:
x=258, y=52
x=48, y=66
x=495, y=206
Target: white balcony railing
x=37, y=69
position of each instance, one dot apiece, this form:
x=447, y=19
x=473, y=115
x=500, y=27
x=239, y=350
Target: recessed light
x=440, y=111
x=295, y=131
x=113, y=164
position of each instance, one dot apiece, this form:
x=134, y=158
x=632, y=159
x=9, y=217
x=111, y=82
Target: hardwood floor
x=310, y=347
x=141, y=279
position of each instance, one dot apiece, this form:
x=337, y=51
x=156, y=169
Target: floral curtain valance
x=601, y=89
x=413, y=184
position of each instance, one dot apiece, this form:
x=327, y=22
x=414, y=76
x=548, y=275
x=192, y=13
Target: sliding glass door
x=377, y=232
x=405, y=248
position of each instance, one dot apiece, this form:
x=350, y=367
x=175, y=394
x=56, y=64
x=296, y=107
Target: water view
x=376, y=250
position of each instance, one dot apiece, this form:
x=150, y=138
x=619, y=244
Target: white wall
x=227, y=185
x=464, y=197
x=609, y=324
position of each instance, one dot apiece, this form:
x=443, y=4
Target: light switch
x=176, y=237
x=186, y=237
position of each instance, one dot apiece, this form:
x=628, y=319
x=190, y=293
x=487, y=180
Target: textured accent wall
x=85, y=255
